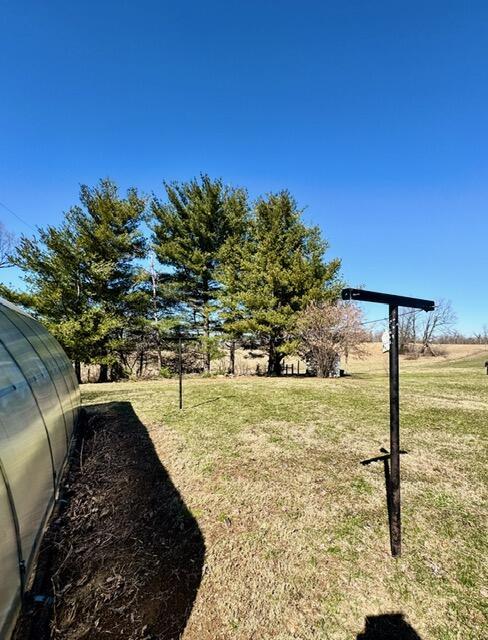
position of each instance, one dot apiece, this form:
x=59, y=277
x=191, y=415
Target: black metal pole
x=180, y=373
x=395, y=521
x=393, y=478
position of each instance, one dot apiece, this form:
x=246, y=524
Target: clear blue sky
x=374, y=114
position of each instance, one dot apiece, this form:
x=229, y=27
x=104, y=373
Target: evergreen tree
x=232, y=312
x=191, y=229
x=82, y=280
x=110, y=237
x=281, y=270
x=53, y=271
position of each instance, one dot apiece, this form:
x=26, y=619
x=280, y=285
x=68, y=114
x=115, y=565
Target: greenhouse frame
x=39, y=407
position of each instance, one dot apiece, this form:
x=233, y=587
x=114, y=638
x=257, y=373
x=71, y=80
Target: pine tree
x=282, y=269
x=53, y=272
x=110, y=237
x=191, y=228
x=82, y=280
x=232, y=313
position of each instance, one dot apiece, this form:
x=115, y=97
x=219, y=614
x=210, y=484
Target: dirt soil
x=122, y=556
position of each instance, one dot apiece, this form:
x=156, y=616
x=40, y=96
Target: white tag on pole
x=385, y=341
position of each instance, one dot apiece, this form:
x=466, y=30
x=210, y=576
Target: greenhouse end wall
x=39, y=405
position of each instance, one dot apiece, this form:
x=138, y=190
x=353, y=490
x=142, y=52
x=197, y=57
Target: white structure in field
x=39, y=404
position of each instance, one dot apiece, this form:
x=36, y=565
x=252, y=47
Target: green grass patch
x=296, y=528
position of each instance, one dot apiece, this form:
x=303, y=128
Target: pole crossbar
x=361, y=295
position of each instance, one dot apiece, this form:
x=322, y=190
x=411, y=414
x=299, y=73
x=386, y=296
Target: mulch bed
x=122, y=556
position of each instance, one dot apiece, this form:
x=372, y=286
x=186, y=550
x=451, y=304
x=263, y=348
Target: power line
x=400, y=315
x=17, y=216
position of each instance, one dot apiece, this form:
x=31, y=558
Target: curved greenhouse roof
x=39, y=404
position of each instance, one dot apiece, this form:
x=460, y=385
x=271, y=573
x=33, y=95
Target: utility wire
x=17, y=216
x=400, y=315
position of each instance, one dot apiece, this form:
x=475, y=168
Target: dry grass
x=378, y=361
x=295, y=528
x=247, y=361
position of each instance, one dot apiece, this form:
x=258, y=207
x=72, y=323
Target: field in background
x=295, y=528
x=375, y=360
x=250, y=362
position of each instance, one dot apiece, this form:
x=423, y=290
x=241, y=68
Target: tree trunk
x=206, y=332
x=103, y=376
x=78, y=371
x=275, y=358
x=141, y=364
x=157, y=340
x=232, y=357
x=116, y=372
x=321, y=370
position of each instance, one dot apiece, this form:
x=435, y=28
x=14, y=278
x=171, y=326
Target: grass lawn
x=295, y=527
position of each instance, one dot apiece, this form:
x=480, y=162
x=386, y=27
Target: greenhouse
x=39, y=404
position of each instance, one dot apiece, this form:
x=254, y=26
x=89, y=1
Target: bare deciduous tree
x=407, y=330
x=7, y=245
x=441, y=320
x=324, y=330
x=482, y=336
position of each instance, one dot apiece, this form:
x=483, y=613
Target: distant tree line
x=418, y=331
x=126, y=274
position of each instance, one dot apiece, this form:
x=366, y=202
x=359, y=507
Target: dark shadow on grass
x=389, y=626
x=199, y=404
x=125, y=553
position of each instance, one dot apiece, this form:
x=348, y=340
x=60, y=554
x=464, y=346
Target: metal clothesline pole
x=395, y=516
x=393, y=490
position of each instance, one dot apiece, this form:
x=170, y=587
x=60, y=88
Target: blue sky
x=374, y=114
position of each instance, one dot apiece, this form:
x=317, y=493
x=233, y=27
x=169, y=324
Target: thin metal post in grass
x=396, y=518
x=180, y=372
x=393, y=489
